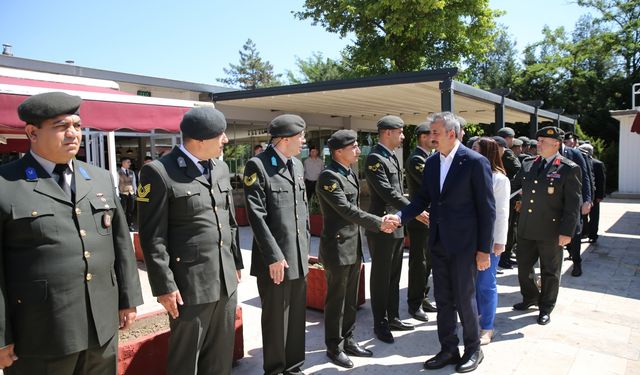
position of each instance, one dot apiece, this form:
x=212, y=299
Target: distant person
x=257, y=149
x=127, y=189
x=313, y=165
x=511, y=165
x=599, y=172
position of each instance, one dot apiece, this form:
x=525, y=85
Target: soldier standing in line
x=278, y=212
x=127, y=189
x=69, y=277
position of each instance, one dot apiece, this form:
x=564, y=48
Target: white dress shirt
x=501, y=191
x=445, y=163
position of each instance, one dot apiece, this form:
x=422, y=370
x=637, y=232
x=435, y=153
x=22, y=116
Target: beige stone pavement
x=595, y=328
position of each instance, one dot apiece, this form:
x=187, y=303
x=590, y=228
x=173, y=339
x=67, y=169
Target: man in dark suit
x=69, y=276
x=278, y=212
x=457, y=183
x=550, y=211
x=189, y=238
x=419, y=253
x=384, y=176
x=599, y=173
x=340, y=252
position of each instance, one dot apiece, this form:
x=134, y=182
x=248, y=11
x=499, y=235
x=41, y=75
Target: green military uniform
x=189, y=238
x=550, y=208
x=341, y=250
x=277, y=210
x=68, y=263
x=512, y=167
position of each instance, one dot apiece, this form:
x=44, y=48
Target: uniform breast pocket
x=187, y=198
x=102, y=210
x=224, y=187
x=28, y=293
x=282, y=195
x=34, y=223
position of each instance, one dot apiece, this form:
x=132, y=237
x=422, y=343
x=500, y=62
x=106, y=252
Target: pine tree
x=251, y=72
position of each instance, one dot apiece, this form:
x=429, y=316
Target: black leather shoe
x=356, y=350
x=419, y=315
x=341, y=359
x=398, y=325
x=505, y=264
x=427, y=306
x=544, y=319
x=382, y=332
x=522, y=306
x=442, y=359
x=469, y=363
x=577, y=270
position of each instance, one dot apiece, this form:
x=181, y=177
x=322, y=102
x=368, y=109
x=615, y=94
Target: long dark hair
x=489, y=149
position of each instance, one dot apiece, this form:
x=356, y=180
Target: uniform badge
x=374, y=167
x=181, y=162
x=106, y=220
x=420, y=168
x=331, y=188
x=274, y=162
x=84, y=173
x=250, y=180
x=31, y=174
x=143, y=191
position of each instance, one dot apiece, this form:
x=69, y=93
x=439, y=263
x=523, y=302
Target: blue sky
x=193, y=40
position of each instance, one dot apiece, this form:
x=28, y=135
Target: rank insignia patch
x=374, y=167
x=250, y=180
x=143, y=191
x=331, y=188
x=420, y=168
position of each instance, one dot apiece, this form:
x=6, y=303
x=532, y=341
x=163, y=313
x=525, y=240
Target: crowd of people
x=69, y=279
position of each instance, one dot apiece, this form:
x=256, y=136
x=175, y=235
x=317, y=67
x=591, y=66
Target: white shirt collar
x=281, y=155
x=452, y=153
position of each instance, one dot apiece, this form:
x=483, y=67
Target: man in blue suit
x=458, y=184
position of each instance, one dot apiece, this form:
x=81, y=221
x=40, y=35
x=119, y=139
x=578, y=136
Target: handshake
x=392, y=222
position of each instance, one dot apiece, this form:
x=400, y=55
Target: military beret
x=506, y=132
x=568, y=135
x=525, y=140
x=533, y=143
x=471, y=141
x=423, y=128
x=203, y=123
x=500, y=141
x=40, y=107
x=550, y=132
x=390, y=122
x=286, y=125
x=517, y=142
x=342, y=138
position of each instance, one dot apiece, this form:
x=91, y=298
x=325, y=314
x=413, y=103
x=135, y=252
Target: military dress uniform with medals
x=276, y=203
x=550, y=208
x=190, y=242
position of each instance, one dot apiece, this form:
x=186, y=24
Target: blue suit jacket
x=576, y=156
x=462, y=216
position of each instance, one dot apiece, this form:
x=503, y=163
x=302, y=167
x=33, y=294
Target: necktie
x=543, y=165
x=60, y=170
x=206, y=169
x=126, y=172
x=290, y=168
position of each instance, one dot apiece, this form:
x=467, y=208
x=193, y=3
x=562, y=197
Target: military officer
x=419, y=254
x=551, y=196
x=277, y=209
x=341, y=245
x=189, y=238
x=69, y=276
x=384, y=177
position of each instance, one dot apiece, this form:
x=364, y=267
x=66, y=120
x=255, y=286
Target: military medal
x=106, y=220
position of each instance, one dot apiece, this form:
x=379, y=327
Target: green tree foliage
x=498, y=68
x=317, y=68
x=251, y=72
x=406, y=35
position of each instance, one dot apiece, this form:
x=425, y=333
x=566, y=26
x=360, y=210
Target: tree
x=252, y=72
x=316, y=68
x=406, y=35
x=499, y=68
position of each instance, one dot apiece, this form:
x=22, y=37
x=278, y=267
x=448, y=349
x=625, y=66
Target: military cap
x=533, y=143
x=423, y=128
x=585, y=147
x=500, y=141
x=40, y=107
x=568, y=135
x=550, y=132
x=517, y=142
x=286, y=125
x=203, y=123
x=506, y=132
x=471, y=141
x=390, y=122
x=342, y=138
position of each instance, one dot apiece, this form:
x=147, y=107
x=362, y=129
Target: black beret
x=423, y=128
x=286, y=126
x=525, y=140
x=506, y=132
x=533, y=143
x=40, y=107
x=203, y=123
x=500, y=141
x=568, y=135
x=550, y=132
x=517, y=142
x=471, y=141
x=342, y=138
x=390, y=122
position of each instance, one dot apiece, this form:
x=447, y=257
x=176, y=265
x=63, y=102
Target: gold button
x=89, y=277
x=83, y=232
x=87, y=254
x=530, y=210
x=533, y=191
x=106, y=206
x=188, y=192
x=34, y=213
x=531, y=201
x=19, y=300
x=177, y=259
x=78, y=211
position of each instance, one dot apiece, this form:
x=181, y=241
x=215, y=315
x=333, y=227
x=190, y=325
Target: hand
x=483, y=261
x=390, y=223
x=170, y=301
x=423, y=218
x=276, y=271
x=127, y=317
x=498, y=249
x=7, y=356
x=586, y=207
x=564, y=240
x=517, y=206
x=239, y=275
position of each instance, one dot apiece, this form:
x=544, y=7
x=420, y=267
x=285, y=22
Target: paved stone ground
x=595, y=329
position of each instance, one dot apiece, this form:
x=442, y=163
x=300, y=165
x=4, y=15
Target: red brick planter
x=317, y=286
x=315, y=223
x=148, y=355
x=241, y=216
x=137, y=247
